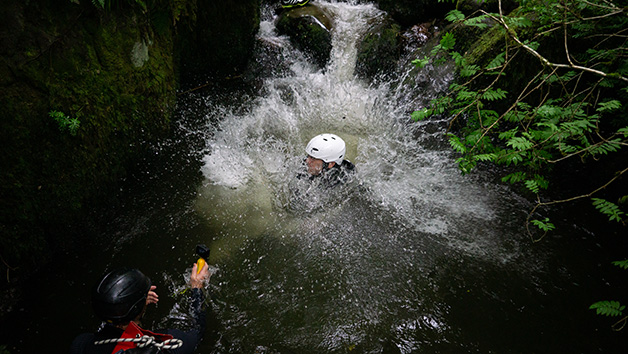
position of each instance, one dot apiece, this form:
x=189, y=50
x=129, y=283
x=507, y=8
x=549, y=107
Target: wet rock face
x=110, y=72
x=409, y=12
x=379, y=50
x=416, y=36
x=217, y=42
x=309, y=30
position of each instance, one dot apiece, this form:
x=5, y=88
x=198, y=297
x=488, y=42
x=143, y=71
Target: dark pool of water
x=276, y=295
x=410, y=258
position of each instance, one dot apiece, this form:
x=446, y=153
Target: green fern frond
x=515, y=177
x=509, y=134
x=518, y=21
x=622, y=264
x=421, y=114
x=485, y=157
x=509, y=157
x=456, y=144
x=548, y=111
x=541, y=181
x=532, y=186
x=514, y=116
x=519, y=143
x=605, y=148
x=608, y=308
x=477, y=21
x=566, y=149
x=454, y=16
x=448, y=41
x=469, y=70
x=421, y=63
x=609, y=106
x=464, y=95
x=609, y=209
x=544, y=224
x=493, y=95
x=497, y=61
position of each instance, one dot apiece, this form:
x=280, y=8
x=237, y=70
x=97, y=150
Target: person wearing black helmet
x=120, y=299
x=326, y=159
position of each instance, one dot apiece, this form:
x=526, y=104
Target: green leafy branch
x=557, y=114
x=500, y=20
x=622, y=264
x=609, y=209
x=570, y=110
x=608, y=308
x=613, y=308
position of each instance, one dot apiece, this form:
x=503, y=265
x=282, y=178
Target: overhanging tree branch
x=546, y=62
x=588, y=195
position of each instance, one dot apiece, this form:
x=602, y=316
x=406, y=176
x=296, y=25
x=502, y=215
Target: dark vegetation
x=86, y=89
x=543, y=95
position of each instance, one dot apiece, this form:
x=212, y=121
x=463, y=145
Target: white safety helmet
x=327, y=147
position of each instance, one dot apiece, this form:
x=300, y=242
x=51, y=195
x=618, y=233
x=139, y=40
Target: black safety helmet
x=120, y=296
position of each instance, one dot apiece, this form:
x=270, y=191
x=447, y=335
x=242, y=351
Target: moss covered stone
x=84, y=63
x=481, y=46
x=379, y=50
x=115, y=71
x=309, y=29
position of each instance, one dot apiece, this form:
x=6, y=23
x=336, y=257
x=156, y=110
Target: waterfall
x=327, y=269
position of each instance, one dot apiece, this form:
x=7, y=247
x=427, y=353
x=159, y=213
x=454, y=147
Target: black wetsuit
x=334, y=176
x=84, y=343
x=339, y=174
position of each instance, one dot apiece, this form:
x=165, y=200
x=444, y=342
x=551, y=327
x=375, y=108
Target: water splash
x=357, y=260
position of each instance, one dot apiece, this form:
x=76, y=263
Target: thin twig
x=9, y=268
x=611, y=7
x=193, y=89
x=588, y=195
x=565, y=38
x=544, y=60
x=585, y=149
x=614, y=326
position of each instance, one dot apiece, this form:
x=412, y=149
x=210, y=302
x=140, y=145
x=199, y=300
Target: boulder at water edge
x=309, y=30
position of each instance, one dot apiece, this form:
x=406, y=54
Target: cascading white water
x=302, y=267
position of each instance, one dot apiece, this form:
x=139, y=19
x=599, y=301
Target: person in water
x=326, y=159
x=120, y=298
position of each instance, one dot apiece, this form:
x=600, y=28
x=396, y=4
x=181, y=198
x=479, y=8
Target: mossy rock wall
x=481, y=46
x=379, y=50
x=110, y=70
x=116, y=71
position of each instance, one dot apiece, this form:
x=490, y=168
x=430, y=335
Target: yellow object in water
x=199, y=265
x=203, y=252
